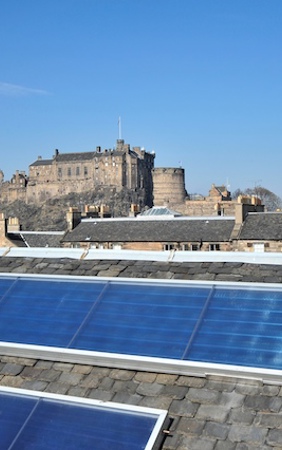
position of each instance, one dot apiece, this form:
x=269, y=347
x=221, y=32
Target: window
x=77, y=171
x=59, y=172
x=214, y=247
x=168, y=246
x=258, y=247
x=69, y=172
x=191, y=247
x=85, y=171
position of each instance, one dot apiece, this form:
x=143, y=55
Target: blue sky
x=197, y=81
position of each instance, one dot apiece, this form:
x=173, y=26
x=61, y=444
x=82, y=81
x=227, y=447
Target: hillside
x=51, y=215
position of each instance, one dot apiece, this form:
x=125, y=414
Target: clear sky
x=197, y=81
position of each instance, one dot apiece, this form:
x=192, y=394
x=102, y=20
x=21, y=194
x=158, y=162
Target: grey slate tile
x=250, y=434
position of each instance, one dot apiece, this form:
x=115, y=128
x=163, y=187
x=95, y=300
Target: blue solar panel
x=207, y=323
x=143, y=320
x=45, y=312
x=32, y=422
x=242, y=327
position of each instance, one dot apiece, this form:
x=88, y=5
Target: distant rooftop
x=129, y=230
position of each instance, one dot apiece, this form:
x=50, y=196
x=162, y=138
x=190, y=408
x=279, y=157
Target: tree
x=271, y=201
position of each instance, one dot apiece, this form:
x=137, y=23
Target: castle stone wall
x=82, y=172
x=168, y=186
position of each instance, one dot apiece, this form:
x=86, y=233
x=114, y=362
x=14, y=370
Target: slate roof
x=135, y=230
x=42, y=162
x=69, y=157
x=262, y=226
x=207, y=413
x=36, y=239
x=208, y=270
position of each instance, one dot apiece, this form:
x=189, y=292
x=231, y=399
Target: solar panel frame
x=137, y=362
x=154, y=437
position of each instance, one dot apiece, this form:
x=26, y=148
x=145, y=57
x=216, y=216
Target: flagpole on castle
x=119, y=127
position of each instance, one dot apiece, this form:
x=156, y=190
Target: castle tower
x=168, y=186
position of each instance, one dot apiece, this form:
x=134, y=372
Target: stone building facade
x=5, y=224
x=81, y=172
x=14, y=189
x=119, y=168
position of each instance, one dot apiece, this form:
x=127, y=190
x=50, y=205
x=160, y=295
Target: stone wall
x=196, y=208
x=169, y=186
x=250, y=246
x=4, y=241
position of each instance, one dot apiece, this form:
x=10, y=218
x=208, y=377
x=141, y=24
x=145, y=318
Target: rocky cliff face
x=51, y=215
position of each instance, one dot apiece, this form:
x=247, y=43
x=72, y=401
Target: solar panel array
x=208, y=323
x=36, y=422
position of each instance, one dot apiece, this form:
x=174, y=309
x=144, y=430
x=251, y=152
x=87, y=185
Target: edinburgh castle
x=113, y=171
x=119, y=168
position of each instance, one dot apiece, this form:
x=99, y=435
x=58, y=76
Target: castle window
x=195, y=247
x=69, y=172
x=59, y=172
x=85, y=171
x=77, y=171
